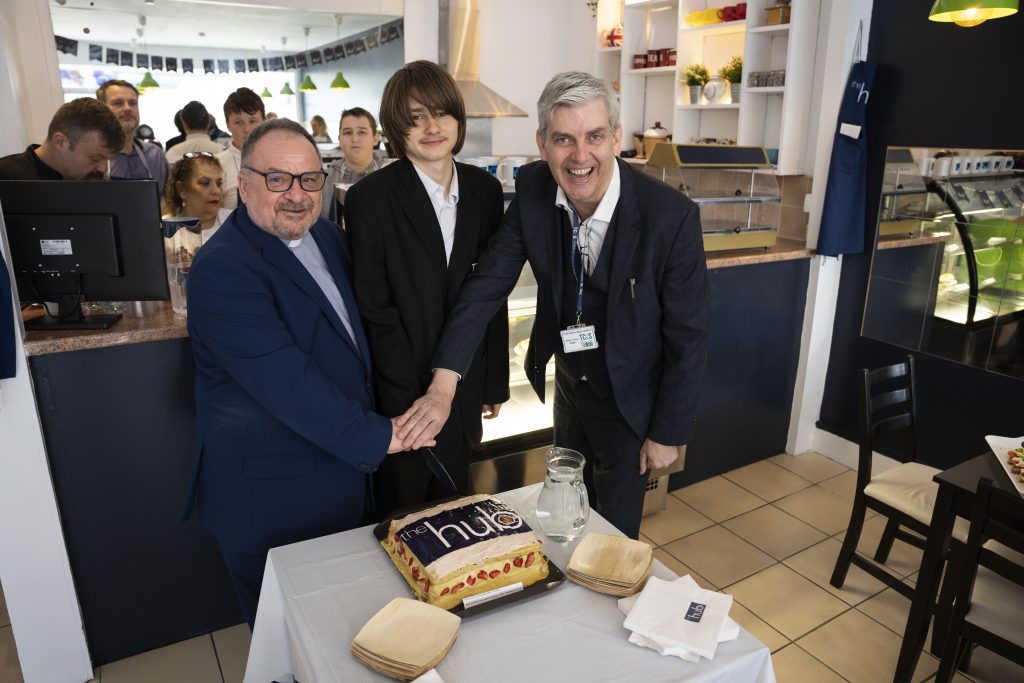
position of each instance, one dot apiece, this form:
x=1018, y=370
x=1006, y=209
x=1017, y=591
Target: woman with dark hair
x=196, y=190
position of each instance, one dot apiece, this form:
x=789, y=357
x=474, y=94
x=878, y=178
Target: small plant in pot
x=733, y=72
x=695, y=76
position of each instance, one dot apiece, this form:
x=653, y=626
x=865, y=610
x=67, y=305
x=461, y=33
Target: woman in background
x=319, y=127
x=195, y=189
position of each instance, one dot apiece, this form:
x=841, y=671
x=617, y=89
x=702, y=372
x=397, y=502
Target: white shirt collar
x=606, y=207
x=435, y=190
x=291, y=244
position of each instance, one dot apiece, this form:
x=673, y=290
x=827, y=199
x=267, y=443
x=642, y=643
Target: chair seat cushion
x=996, y=605
x=910, y=489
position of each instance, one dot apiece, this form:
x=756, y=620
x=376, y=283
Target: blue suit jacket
x=285, y=428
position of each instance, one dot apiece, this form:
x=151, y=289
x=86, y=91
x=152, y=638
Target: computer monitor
x=72, y=242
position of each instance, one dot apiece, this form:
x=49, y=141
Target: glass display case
x=523, y=413
x=735, y=187
x=948, y=272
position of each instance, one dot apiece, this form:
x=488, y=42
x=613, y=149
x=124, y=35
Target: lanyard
x=580, y=276
x=142, y=158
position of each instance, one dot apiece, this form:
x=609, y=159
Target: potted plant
x=695, y=76
x=733, y=72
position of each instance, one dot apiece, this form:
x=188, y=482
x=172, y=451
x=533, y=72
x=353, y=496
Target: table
x=957, y=487
x=316, y=595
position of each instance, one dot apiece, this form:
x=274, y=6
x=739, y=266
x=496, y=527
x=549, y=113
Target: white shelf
x=610, y=49
x=633, y=4
x=728, y=105
x=654, y=71
x=767, y=90
x=737, y=26
x=771, y=30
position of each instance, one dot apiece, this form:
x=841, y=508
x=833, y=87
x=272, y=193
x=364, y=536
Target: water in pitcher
x=563, y=506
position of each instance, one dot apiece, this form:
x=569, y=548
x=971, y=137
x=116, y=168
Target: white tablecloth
x=317, y=594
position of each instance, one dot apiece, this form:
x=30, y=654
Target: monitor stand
x=69, y=317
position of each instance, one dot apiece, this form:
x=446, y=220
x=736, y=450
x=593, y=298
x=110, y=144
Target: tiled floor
x=768, y=534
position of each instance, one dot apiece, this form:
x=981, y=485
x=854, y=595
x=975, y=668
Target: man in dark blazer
x=286, y=433
x=622, y=300
x=417, y=228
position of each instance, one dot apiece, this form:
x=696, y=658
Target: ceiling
x=231, y=25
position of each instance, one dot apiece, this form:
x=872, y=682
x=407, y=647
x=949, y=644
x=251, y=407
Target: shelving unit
x=771, y=117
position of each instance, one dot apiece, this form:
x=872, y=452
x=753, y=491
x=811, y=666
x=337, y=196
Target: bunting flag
x=171, y=64
x=67, y=46
x=187, y=67
x=127, y=58
x=208, y=66
x=239, y=66
x=254, y=65
x=316, y=57
x=113, y=56
x=289, y=63
x=300, y=61
x=96, y=53
x=141, y=61
x=156, y=63
x=222, y=66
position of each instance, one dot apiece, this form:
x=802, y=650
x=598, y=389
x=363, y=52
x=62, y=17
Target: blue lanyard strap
x=579, y=275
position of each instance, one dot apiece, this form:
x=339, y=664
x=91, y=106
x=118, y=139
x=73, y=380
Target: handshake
x=417, y=426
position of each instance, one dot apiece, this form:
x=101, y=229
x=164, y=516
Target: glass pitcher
x=563, y=506
x=182, y=238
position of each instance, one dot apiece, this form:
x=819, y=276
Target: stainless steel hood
x=459, y=52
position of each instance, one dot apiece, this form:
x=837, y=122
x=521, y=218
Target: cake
x=465, y=547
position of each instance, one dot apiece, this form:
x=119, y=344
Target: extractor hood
x=459, y=52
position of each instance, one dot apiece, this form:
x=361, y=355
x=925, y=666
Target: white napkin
x=730, y=630
x=679, y=616
x=430, y=677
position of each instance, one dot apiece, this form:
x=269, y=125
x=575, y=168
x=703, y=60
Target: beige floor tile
x=767, y=480
x=793, y=665
x=860, y=649
x=5, y=618
x=718, y=498
x=645, y=539
x=10, y=669
x=772, y=639
x=677, y=520
x=819, y=508
x=843, y=485
x=904, y=559
x=773, y=531
x=817, y=562
x=889, y=608
x=788, y=602
x=719, y=555
x=190, y=660
x=988, y=667
x=810, y=465
x=681, y=569
x=232, y=645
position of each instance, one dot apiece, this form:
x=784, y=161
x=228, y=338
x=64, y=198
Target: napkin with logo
x=730, y=630
x=678, y=616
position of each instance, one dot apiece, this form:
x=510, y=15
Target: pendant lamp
x=339, y=82
x=287, y=89
x=307, y=84
x=148, y=82
x=266, y=93
x=968, y=13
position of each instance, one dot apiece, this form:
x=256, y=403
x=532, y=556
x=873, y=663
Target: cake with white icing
x=465, y=547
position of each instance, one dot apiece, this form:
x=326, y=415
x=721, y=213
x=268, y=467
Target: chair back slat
x=892, y=423
x=880, y=402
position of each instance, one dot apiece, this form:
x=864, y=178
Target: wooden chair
x=987, y=608
x=905, y=494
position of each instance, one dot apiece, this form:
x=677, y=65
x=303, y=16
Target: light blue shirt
x=309, y=255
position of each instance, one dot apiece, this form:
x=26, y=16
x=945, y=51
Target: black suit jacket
x=657, y=315
x=406, y=290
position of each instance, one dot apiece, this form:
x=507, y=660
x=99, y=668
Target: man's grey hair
x=271, y=126
x=573, y=88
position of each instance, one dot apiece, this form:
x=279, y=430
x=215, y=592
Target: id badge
x=578, y=338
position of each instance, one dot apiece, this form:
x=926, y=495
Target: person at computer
x=196, y=121
x=243, y=111
x=416, y=228
x=196, y=190
x=286, y=433
x=82, y=138
x=622, y=300
x=359, y=141
x=137, y=159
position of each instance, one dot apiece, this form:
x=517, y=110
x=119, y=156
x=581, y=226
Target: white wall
x=34, y=566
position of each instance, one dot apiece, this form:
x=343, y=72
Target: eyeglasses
x=279, y=181
x=196, y=155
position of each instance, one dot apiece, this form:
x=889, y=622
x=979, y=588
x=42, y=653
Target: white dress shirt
x=594, y=229
x=445, y=208
x=231, y=161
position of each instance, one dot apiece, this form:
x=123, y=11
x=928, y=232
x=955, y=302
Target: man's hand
x=425, y=418
x=396, y=445
x=655, y=456
x=491, y=410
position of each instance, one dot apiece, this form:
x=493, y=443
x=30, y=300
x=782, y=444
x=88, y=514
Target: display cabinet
x=735, y=187
x=905, y=208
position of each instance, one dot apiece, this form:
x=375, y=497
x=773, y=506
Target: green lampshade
x=972, y=12
x=287, y=89
x=266, y=93
x=339, y=82
x=307, y=84
x=148, y=82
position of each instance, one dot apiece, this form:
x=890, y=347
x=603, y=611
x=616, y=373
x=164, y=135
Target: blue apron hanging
x=843, y=216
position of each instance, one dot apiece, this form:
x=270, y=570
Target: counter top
x=902, y=241
x=165, y=325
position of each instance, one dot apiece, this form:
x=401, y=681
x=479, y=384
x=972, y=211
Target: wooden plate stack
x=613, y=565
x=406, y=639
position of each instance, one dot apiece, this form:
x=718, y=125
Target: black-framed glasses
x=197, y=155
x=279, y=181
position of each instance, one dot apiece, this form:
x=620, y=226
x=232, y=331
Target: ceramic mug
x=741, y=10
x=508, y=169
x=489, y=164
x=727, y=13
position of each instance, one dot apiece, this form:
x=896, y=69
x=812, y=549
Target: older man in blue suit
x=286, y=433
